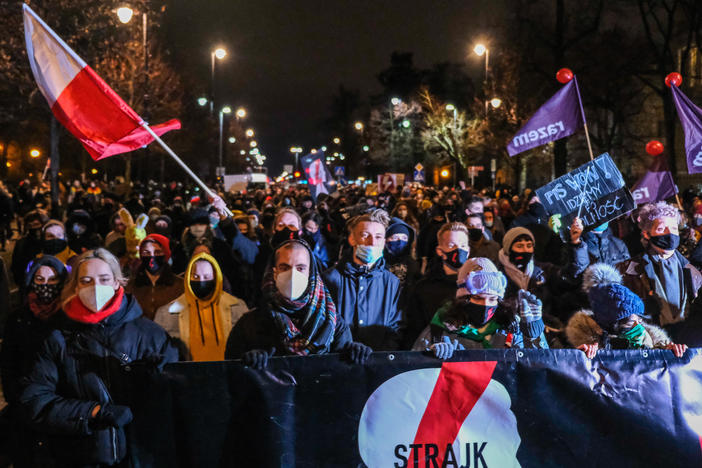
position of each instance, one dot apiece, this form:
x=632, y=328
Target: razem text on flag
x=80, y=99
x=657, y=184
x=559, y=117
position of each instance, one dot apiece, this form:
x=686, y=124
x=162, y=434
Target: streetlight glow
x=242, y=152
x=444, y=173
x=337, y=140
x=35, y=153
x=226, y=110
x=93, y=171
x=253, y=143
x=202, y=101
x=496, y=102
x=450, y=107
x=395, y=101
x=480, y=49
x=241, y=112
x=125, y=14
x=324, y=148
x=406, y=123
x=358, y=126
x=220, y=53
x=250, y=133
x=232, y=140
x=366, y=148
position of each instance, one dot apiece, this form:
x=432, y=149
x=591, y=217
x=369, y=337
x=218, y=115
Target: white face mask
x=95, y=297
x=292, y=283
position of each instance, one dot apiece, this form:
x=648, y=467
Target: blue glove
x=529, y=306
x=358, y=352
x=257, y=358
x=445, y=349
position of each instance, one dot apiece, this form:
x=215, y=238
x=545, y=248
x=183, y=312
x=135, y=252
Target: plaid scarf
x=307, y=324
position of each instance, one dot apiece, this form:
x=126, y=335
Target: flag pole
x=582, y=112
x=197, y=180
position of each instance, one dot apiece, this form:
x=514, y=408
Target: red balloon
x=654, y=147
x=674, y=78
x=564, y=75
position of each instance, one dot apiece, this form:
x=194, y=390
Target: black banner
x=481, y=409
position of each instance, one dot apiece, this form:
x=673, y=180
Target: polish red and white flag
x=80, y=99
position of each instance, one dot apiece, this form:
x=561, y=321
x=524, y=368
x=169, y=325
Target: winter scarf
x=42, y=310
x=481, y=335
x=307, y=324
x=75, y=310
x=519, y=277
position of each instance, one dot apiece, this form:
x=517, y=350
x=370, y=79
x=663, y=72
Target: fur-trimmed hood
x=600, y=274
x=582, y=329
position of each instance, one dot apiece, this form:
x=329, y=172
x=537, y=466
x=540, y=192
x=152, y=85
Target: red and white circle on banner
x=455, y=415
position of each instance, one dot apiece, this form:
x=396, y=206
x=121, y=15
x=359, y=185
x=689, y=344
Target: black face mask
x=202, y=289
x=46, y=293
x=53, y=246
x=153, y=264
x=666, y=241
x=479, y=314
x=520, y=259
x=281, y=236
x=475, y=234
x=456, y=258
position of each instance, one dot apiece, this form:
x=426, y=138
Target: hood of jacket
x=45, y=260
x=582, y=329
x=214, y=298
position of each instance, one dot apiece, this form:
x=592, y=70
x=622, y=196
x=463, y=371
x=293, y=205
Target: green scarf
x=481, y=335
x=635, y=336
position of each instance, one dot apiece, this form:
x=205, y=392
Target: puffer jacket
x=510, y=333
x=80, y=366
x=583, y=329
x=368, y=299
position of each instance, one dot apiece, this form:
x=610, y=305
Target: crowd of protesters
x=159, y=274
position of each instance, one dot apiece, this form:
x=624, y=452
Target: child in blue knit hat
x=616, y=320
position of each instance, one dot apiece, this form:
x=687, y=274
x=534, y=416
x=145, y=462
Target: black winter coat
x=80, y=366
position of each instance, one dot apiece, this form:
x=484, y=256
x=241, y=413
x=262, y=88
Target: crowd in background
x=106, y=278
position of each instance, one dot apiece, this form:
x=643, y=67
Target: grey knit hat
x=480, y=276
x=512, y=234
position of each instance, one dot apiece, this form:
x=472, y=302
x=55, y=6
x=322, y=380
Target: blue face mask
x=601, y=227
x=396, y=247
x=369, y=254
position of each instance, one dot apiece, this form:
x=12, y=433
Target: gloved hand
x=257, y=358
x=554, y=222
x=445, y=349
x=529, y=306
x=112, y=416
x=358, y=352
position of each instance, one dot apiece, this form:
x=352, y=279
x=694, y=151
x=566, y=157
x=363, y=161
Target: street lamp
x=336, y=140
x=250, y=133
x=232, y=140
x=324, y=148
x=35, y=153
x=406, y=123
x=224, y=110
x=366, y=148
x=240, y=113
x=296, y=150
x=253, y=143
x=452, y=108
x=202, y=101
x=219, y=53
x=395, y=101
x=125, y=14
x=358, y=126
x=496, y=102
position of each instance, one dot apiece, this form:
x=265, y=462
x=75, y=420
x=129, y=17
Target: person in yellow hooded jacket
x=202, y=317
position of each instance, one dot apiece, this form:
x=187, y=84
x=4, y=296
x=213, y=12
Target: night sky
x=288, y=57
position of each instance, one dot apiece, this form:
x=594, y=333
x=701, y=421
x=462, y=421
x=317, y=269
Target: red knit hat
x=162, y=241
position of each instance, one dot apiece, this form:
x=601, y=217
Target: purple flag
x=654, y=186
x=561, y=116
x=691, y=119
